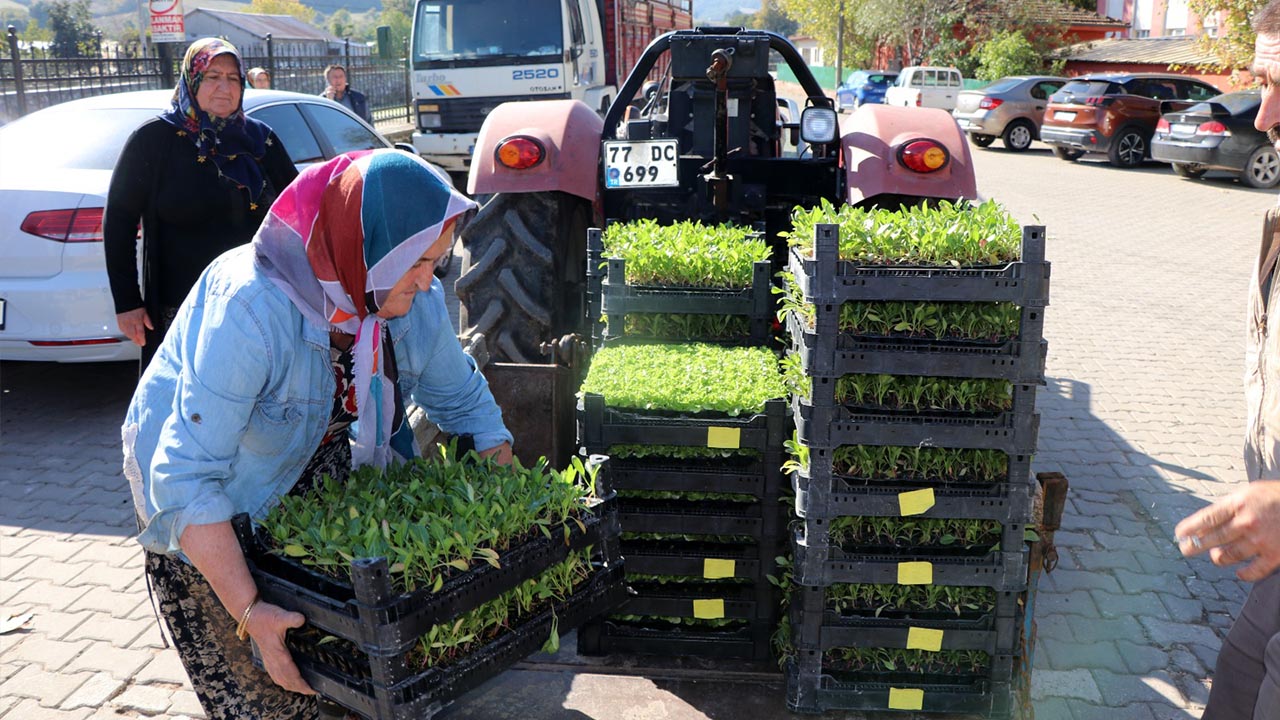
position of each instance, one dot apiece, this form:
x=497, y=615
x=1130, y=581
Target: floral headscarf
x=235, y=144
x=336, y=241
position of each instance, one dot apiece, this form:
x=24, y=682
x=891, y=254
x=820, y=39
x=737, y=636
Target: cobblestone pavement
x=1142, y=412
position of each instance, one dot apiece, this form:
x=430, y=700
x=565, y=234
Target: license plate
x=641, y=163
x=1061, y=115
x=1183, y=129
x=2, y=309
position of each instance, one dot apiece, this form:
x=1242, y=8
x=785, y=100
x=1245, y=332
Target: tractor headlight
x=818, y=125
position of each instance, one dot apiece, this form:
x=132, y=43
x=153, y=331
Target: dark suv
x=1114, y=113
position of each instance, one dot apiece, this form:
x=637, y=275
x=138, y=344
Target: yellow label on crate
x=724, y=437
x=906, y=699
x=915, y=502
x=713, y=569
x=708, y=609
x=926, y=639
x=915, y=573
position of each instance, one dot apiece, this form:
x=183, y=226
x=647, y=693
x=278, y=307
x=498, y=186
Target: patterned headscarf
x=236, y=144
x=336, y=241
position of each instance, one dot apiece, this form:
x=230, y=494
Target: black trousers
x=1246, y=681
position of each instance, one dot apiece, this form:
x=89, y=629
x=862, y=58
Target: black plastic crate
x=750, y=642
x=712, y=601
x=996, y=632
x=810, y=690
x=826, y=278
x=367, y=611
x=821, y=494
x=761, y=478
x=825, y=351
x=704, y=560
x=601, y=427
x=817, y=562
x=1013, y=432
x=759, y=520
x=423, y=694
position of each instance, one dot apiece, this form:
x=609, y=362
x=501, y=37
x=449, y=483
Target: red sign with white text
x=167, y=21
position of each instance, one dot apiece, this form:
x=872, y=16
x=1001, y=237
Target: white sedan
x=55, y=301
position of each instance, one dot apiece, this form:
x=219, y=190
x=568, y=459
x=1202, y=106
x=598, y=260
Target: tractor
x=697, y=132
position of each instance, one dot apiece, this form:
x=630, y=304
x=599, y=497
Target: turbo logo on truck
x=535, y=74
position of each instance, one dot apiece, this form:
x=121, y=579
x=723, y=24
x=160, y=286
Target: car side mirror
x=407, y=147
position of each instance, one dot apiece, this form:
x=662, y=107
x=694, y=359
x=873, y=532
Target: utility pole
x=144, y=24
x=840, y=45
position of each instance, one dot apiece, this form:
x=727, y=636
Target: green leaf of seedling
x=295, y=551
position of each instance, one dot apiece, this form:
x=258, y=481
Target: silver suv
x=1010, y=108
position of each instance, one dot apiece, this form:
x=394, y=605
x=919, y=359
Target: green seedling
x=686, y=254
x=685, y=378
x=920, y=393
x=849, y=532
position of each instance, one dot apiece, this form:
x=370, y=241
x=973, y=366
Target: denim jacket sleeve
x=225, y=362
x=448, y=386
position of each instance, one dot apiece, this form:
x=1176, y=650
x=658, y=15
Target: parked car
x=55, y=301
x=862, y=87
x=932, y=87
x=1010, y=108
x=1218, y=135
x=1114, y=113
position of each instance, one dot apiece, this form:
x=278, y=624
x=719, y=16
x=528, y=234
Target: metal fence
x=34, y=81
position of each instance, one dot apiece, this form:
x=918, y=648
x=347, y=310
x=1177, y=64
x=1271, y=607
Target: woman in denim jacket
x=330, y=317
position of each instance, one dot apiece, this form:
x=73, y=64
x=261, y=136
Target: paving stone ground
x=1142, y=412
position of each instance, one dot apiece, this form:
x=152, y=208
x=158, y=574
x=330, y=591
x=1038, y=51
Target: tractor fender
x=874, y=135
x=568, y=130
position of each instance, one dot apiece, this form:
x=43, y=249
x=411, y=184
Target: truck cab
x=922, y=86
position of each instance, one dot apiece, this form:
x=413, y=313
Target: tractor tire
x=1068, y=154
x=523, y=273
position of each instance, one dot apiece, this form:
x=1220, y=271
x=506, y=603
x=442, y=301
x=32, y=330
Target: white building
x=1157, y=18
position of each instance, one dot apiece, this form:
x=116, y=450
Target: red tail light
x=924, y=156
x=1213, y=127
x=1162, y=126
x=520, y=152
x=73, y=226
x=918, y=99
x=1100, y=101
x=69, y=343
x=989, y=103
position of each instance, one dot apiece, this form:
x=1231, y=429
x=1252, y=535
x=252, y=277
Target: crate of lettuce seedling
x=948, y=339
x=815, y=686
x=948, y=253
x=387, y=556
x=909, y=617
x=720, y=473
x=897, y=481
x=458, y=656
x=911, y=551
x=724, y=639
x=694, y=395
x=685, y=281
x=653, y=555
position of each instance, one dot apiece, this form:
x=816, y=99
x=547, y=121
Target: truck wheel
x=523, y=272
x=1068, y=154
x=1128, y=149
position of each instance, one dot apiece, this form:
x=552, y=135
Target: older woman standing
x=330, y=317
x=200, y=178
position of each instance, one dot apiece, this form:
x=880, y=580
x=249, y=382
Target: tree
x=71, y=22
x=915, y=25
x=1234, y=45
x=771, y=17
x=283, y=7
x=341, y=24
x=1008, y=53
x=819, y=20
x=739, y=19
x=400, y=29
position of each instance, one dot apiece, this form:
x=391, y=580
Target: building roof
x=1182, y=50
x=281, y=27
x=1057, y=12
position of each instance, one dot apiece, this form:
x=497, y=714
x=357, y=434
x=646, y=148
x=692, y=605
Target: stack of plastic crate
x=886, y=621
x=699, y=568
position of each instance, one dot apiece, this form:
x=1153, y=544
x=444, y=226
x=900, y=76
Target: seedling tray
x=604, y=637
x=1013, y=432
x=424, y=694
x=757, y=478
x=1009, y=502
x=620, y=299
x=825, y=278
x=383, y=622
x=600, y=428
x=674, y=517
x=819, y=563
x=809, y=690
x=743, y=601
x=825, y=351
x=704, y=560
x=998, y=631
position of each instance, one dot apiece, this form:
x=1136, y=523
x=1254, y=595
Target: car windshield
x=61, y=139
x=880, y=79
x=1083, y=88
x=1002, y=85
x=483, y=32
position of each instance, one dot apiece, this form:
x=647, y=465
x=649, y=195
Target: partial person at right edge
x=1244, y=527
x=200, y=177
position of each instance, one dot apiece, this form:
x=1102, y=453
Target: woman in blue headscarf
x=199, y=178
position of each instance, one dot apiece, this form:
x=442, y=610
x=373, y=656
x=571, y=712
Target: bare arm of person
x=1244, y=526
x=214, y=551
